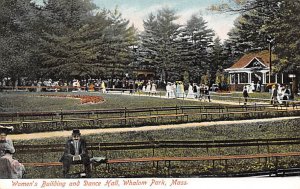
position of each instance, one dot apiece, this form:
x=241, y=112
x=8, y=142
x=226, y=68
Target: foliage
x=263, y=23
x=17, y=19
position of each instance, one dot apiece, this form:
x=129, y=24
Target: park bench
x=295, y=104
x=288, y=172
x=167, y=161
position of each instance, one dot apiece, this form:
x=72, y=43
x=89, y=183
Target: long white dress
x=9, y=167
x=103, y=87
x=170, y=91
x=191, y=93
x=148, y=88
x=153, y=88
x=180, y=91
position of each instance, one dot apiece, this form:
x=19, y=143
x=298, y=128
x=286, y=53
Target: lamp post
x=292, y=76
x=270, y=40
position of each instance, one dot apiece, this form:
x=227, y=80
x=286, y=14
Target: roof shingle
x=262, y=56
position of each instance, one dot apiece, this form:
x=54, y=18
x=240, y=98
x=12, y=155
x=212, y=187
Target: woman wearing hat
x=9, y=167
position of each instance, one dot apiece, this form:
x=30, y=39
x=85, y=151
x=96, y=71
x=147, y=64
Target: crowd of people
x=176, y=90
x=281, y=94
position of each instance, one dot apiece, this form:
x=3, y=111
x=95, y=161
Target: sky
x=137, y=10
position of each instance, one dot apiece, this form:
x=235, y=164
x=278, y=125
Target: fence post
x=226, y=167
x=12, y=118
x=61, y=115
x=176, y=109
x=125, y=115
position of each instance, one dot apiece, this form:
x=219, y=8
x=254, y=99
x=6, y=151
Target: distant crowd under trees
x=67, y=39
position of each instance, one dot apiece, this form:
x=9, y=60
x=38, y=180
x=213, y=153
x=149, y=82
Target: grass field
x=17, y=102
x=12, y=102
x=226, y=132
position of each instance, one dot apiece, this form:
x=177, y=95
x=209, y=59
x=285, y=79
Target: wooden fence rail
x=26, y=122
x=164, y=163
x=162, y=144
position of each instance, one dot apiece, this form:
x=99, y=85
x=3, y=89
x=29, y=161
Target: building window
x=244, y=77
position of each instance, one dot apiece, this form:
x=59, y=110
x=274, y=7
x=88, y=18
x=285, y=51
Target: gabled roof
x=262, y=56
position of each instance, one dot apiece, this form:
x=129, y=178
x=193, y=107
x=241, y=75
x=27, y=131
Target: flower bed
x=84, y=99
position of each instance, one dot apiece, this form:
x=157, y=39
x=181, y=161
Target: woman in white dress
x=103, y=87
x=148, y=87
x=191, y=93
x=181, y=93
x=170, y=90
x=153, y=88
x=9, y=167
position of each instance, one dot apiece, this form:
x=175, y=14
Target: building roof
x=262, y=56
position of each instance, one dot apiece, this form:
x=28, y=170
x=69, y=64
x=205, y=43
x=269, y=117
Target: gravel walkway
x=144, y=128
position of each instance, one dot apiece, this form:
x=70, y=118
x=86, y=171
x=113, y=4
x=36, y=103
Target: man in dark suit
x=76, y=153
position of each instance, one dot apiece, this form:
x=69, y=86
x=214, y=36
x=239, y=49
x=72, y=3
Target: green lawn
x=21, y=101
x=220, y=132
x=12, y=101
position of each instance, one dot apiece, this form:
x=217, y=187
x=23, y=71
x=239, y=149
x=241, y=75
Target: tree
x=148, y=44
x=158, y=40
x=201, y=37
x=119, y=39
x=16, y=38
x=59, y=54
x=217, y=61
x=166, y=49
x=285, y=30
x=78, y=44
x=280, y=21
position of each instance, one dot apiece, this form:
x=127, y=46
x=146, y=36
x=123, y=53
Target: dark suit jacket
x=70, y=150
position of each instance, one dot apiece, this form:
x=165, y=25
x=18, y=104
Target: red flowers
x=84, y=99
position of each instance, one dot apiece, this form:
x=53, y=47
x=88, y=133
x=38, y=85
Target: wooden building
x=254, y=68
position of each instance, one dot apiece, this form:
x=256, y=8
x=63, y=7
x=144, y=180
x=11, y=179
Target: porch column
x=230, y=80
x=264, y=77
x=276, y=78
x=238, y=78
x=249, y=77
x=282, y=78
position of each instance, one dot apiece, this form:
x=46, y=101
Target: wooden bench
x=288, y=172
x=295, y=104
x=155, y=159
x=166, y=169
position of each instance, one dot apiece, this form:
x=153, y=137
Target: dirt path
x=145, y=128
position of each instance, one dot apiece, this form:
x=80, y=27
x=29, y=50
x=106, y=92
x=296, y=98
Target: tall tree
x=280, y=22
x=217, y=59
x=119, y=39
x=16, y=37
x=158, y=41
x=166, y=48
x=148, y=44
x=202, y=38
x=58, y=52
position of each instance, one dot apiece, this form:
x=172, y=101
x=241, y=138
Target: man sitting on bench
x=76, y=153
